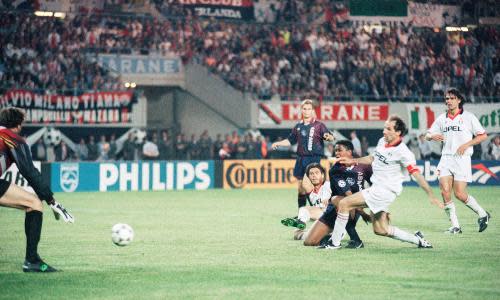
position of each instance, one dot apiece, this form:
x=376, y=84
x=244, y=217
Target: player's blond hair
x=308, y=101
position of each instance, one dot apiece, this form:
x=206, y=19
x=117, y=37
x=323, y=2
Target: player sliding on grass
x=459, y=130
x=389, y=161
x=343, y=181
x=318, y=195
x=13, y=149
x=309, y=134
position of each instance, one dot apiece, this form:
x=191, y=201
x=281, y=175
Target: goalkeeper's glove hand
x=61, y=212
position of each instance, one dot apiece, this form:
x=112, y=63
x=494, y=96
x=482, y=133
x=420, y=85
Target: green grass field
x=230, y=244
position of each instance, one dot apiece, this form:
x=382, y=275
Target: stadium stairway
x=231, y=104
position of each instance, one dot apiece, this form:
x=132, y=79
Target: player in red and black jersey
x=14, y=150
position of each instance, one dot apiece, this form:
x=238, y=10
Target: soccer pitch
x=230, y=244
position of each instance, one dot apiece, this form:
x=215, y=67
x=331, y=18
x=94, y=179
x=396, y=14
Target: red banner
x=87, y=108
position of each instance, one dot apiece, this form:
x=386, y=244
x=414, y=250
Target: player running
x=343, y=181
x=13, y=149
x=459, y=130
x=389, y=161
x=309, y=135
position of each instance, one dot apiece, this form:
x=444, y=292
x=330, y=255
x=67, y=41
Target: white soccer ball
x=52, y=137
x=122, y=234
x=140, y=136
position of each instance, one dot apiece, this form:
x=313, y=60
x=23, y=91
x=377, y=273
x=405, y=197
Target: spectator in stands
x=224, y=151
x=82, y=151
x=241, y=148
x=128, y=150
x=193, y=148
x=39, y=152
x=103, y=149
x=495, y=148
x=166, y=147
x=217, y=145
x=364, y=146
x=205, y=146
x=356, y=143
x=63, y=152
x=93, y=149
x=425, y=147
x=112, y=147
x=181, y=147
x=150, y=149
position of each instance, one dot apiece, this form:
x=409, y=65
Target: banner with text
x=132, y=176
x=421, y=116
x=147, y=70
x=433, y=15
x=286, y=114
x=226, y=9
x=87, y=108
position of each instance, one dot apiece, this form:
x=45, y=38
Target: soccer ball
x=122, y=234
x=140, y=136
x=52, y=137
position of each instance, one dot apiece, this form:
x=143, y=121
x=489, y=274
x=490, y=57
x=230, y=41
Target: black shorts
x=4, y=186
x=329, y=216
x=301, y=164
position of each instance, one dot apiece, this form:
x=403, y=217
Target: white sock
x=304, y=214
x=452, y=214
x=472, y=204
x=339, y=228
x=402, y=235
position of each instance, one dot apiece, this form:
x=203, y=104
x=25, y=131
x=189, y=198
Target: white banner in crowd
x=432, y=15
x=421, y=116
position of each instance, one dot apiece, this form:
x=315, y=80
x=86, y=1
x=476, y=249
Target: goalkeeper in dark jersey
x=14, y=150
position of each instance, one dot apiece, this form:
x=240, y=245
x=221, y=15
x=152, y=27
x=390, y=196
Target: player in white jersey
x=390, y=161
x=459, y=130
x=318, y=190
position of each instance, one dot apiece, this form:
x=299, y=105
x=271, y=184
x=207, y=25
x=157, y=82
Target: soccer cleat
x=454, y=230
x=294, y=222
x=38, y=267
x=60, y=211
x=483, y=222
x=355, y=245
x=329, y=246
x=421, y=242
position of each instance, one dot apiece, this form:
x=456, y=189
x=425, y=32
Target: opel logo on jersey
x=69, y=175
x=452, y=128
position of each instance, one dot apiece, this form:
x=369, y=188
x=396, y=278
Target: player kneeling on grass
x=389, y=161
x=343, y=181
x=318, y=192
x=13, y=149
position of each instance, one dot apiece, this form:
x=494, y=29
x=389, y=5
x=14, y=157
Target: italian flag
x=421, y=118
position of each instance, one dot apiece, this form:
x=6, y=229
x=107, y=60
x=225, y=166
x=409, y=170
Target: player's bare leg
x=460, y=191
x=344, y=207
x=317, y=232
x=382, y=227
x=16, y=197
x=446, y=186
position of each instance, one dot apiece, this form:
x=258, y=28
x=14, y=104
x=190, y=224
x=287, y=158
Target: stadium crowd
x=322, y=55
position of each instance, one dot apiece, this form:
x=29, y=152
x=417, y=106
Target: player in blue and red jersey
x=14, y=150
x=309, y=135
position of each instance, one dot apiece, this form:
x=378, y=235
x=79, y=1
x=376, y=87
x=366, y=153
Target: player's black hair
x=347, y=144
x=399, y=125
x=455, y=92
x=11, y=117
x=317, y=166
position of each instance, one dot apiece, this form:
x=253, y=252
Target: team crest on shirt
x=350, y=181
x=69, y=175
x=342, y=183
x=303, y=132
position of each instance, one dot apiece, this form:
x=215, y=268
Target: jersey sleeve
x=323, y=130
x=292, y=137
x=408, y=161
x=477, y=128
x=22, y=158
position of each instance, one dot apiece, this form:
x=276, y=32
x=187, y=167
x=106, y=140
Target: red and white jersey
x=390, y=164
x=324, y=192
x=457, y=130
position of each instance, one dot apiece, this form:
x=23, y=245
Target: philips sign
x=132, y=176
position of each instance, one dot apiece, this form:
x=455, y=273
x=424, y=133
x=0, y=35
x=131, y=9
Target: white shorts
x=457, y=166
x=378, y=198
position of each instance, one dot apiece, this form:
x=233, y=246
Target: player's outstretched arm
x=283, y=143
x=365, y=160
x=425, y=186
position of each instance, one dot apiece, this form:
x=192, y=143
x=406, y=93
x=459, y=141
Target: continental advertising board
x=132, y=176
x=259, y=174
